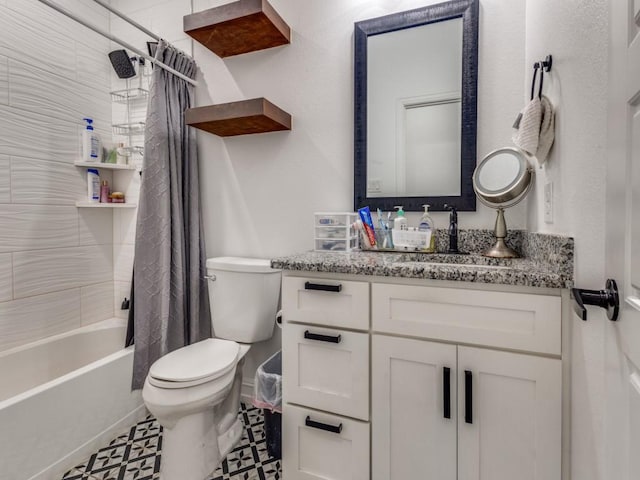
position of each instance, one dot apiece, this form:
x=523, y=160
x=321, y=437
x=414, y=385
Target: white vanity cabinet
x=458, y=411
x=466, y=383
x=325, y=369
x=450, y=412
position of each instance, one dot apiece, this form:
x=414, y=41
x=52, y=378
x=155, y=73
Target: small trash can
x=267, y=395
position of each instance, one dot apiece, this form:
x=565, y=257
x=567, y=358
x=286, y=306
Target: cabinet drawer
x=335, y=303
x=309, y=452
x=326, y=369
x=498, y=319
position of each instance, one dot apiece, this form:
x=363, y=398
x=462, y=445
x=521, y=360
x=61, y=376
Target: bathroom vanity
x=402, y=366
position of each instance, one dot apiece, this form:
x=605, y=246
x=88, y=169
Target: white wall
x=56, y=262
x=576, y=33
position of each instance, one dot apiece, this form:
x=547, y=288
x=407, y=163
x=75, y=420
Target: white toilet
x=194, y=392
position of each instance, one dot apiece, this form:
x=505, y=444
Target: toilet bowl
x=194, y=392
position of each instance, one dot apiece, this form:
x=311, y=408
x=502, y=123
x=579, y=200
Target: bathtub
x=64, y=397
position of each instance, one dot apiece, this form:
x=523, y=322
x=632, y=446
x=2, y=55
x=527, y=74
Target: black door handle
x=322, y=426
x=468, y=396
x=608, y=299
x=322, y=338
x=446, y=391
x=323, y=287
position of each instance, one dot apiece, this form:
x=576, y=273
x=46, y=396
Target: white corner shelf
x=106, y=166
x=87, y=204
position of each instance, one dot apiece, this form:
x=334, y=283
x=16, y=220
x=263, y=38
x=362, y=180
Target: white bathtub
x=62, y=398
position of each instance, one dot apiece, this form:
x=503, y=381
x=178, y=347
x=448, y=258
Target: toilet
x=194, y=392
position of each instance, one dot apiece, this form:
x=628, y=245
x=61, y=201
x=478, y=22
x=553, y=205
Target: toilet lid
x=196, y=363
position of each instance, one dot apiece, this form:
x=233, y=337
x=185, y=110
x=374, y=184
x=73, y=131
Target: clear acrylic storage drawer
x=334, y=231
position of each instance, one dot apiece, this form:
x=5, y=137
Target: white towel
x=527, y=133
x=547, y=130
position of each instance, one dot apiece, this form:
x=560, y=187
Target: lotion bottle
x=427, y=225
x=93, y=185
x=400, y=222
x=91, y=148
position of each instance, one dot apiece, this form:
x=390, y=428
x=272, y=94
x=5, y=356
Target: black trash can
x=267, y=395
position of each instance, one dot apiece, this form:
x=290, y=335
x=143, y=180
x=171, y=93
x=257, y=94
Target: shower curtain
x=170, y=308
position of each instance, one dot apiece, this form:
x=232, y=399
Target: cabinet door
x=413, y=409
x=327, y=369
x=321, y=446
x=509, y=410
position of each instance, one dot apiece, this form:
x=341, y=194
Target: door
x=509, y=416
x=622, y=402
x=413, y=409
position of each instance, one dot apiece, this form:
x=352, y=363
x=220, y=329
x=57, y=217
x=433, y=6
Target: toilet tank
x=244, y=295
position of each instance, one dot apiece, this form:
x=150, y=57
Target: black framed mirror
x=416, y=75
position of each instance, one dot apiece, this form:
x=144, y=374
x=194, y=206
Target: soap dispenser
x=91, y=148
x=400, y=222
x=427, y=225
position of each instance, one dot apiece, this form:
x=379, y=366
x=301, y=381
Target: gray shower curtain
x=170, y=307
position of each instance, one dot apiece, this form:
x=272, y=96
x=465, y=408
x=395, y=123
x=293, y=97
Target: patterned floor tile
x=136, y=454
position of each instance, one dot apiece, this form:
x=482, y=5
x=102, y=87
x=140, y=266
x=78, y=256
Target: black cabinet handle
x=322, y=426
x=324, y=288
x=322, y=338
x=446, y=391
x=468, y=396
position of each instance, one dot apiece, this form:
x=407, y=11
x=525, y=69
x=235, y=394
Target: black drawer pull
x=468, y=396
x=322, y=426
x=446, y=391
x=324, y=288
x=322, y=338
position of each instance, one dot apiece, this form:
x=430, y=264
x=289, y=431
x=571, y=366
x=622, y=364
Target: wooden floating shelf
x=239, y=27
x=105, y=205
x=257, y=115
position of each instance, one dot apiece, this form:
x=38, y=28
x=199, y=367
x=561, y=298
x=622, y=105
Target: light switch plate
x=548, y=202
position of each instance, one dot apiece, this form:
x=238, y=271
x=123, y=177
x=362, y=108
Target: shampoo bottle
x=93, y=185
x=91, y=148
x=400, y=222
x=427, y=225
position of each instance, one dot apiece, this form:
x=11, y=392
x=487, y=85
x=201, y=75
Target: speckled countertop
x=547, y=262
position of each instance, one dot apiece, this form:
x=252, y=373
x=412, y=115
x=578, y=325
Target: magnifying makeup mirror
x=501, y=180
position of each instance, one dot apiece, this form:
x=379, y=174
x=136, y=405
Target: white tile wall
x=37, y=90
x=123, y=262
x=30, y=319
x=39, y=181
x=56, y=261
x=43, y=271
x=29, y=227
x=38, y=136
x=6, y=284
x=96, y=226
x=5, y=179
x=4, y=80
x=96, y=302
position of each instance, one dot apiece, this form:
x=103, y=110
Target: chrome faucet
x=453, y=229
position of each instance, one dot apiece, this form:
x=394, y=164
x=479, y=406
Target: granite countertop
x=547, y=262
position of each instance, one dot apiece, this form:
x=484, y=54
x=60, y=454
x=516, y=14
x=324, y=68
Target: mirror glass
x=415, y=108
x=500, y=172
x=502, y=178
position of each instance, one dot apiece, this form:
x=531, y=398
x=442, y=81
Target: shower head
x=122, y=64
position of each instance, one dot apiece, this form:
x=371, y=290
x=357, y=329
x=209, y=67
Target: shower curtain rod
x=122, y=43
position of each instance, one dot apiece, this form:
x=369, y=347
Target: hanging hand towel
x=528, y=131
x=547, y=130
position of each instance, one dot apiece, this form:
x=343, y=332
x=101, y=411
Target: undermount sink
x=452, y=260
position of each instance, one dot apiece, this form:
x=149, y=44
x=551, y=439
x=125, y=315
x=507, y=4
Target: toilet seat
x=195, y=364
